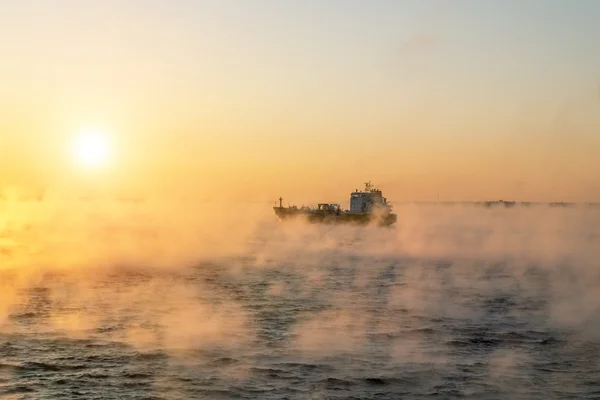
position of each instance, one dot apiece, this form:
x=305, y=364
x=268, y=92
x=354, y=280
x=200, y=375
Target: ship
x=366, y=207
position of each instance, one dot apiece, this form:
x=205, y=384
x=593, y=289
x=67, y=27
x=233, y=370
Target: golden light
x=92, y=149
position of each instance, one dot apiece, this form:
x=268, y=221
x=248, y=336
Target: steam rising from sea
x=180, y=300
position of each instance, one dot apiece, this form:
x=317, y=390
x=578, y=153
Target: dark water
x=297, y=320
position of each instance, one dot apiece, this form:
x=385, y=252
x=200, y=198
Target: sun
x=91, y=149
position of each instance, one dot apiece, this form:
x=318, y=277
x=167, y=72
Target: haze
x=465, y=100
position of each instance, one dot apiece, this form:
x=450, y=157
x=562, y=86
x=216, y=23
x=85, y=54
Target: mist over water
x=176, y=300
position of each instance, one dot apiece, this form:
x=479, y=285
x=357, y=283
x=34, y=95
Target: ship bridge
x=363, y=202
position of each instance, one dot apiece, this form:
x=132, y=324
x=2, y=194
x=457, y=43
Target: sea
x=135, y=301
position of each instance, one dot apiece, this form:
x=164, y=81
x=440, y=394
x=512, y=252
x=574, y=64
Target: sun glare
x=91, y=149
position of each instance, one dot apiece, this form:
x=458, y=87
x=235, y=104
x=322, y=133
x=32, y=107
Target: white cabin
x=363, y=202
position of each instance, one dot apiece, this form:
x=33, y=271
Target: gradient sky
x=307, y=99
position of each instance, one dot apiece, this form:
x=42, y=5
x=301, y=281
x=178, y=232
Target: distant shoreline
x=484, y=203
x=504, y=203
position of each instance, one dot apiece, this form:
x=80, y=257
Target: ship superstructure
x=365, y=201
x=367, y=206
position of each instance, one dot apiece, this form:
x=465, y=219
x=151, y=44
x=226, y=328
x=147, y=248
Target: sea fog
x=178, y=300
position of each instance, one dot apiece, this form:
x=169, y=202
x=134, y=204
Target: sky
x=456, y=100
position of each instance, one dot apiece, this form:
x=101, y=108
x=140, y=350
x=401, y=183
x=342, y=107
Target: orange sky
x=273, y=101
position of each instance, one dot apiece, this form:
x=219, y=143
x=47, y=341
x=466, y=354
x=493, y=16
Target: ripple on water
x=495, y=345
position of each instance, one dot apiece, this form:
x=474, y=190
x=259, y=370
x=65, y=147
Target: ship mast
x=281, y=202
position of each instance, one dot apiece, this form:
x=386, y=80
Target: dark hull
x=315, y=216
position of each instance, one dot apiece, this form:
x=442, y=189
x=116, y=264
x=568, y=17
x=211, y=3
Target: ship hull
x=313, y=216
